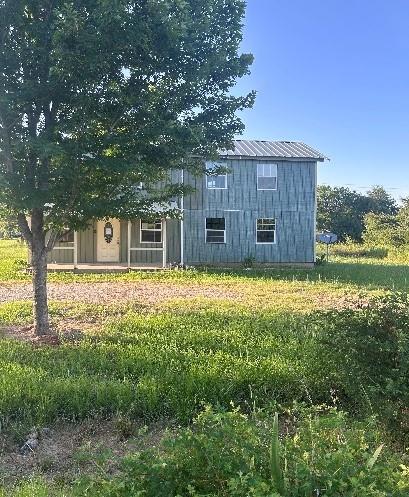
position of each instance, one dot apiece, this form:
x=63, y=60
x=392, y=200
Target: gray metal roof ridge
x=273, y=149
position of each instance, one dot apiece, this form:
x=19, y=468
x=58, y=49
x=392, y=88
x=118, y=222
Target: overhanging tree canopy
x=99, y=95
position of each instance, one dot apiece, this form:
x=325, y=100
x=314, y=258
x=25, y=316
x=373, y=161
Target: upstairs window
x=266, y=230
x=215, y=181
x=151, y=232
x=215, y=230
x=266, y=176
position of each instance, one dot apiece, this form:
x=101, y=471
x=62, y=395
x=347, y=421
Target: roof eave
x=281, y=159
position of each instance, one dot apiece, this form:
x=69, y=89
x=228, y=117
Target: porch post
x=163, y=242
x=75, y=249
x=129, y=243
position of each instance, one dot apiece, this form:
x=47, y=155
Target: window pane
x=147, y=226
x=151, y=236
x=266, y=224
x=216, y=181
x=148, y=236
x=267, y=183
x=67, y=237
x=220, y=181
x=215, y=223
x=155, y=225
x=211, y=182
x=266, y=230
x=265, y=236
x=214, y=236
x=264, y=170
x=267, y=176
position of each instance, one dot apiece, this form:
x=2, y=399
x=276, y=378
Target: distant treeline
x=374, y=217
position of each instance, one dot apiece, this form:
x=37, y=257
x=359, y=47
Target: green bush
x=386, y=230
x=372, y=345
x=228, y=455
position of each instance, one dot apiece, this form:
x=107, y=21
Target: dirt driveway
x=118, y=292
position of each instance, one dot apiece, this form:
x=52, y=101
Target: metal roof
x=273, y=150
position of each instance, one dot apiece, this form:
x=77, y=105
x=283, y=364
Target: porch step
x=102, y=268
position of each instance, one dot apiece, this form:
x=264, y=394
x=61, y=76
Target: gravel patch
x=117, y=292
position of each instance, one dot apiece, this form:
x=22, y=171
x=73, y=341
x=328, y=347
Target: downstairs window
x=266, y=230
x=215, y=230
x=151, y=231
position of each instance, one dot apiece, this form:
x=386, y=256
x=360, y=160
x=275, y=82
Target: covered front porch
x=114, y=245
x=103, y=268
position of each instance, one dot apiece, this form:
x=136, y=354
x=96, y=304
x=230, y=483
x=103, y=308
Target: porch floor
x=103, y=268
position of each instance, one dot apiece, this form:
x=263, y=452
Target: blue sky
x=334, y=74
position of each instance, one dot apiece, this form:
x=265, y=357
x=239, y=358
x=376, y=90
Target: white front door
x=108, y=236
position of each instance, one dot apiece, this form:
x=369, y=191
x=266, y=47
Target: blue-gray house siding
x=292, y=205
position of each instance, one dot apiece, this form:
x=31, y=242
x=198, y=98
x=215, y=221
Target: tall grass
x=170, y=364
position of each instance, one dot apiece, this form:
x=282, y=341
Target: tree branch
x=54, y=235
x=25, y=228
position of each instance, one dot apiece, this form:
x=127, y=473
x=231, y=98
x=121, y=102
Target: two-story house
x=263, y=208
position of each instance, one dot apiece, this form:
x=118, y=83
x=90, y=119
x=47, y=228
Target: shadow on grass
x=365, y=275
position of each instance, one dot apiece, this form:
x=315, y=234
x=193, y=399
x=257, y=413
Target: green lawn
x=360, y=272
x=310, y=337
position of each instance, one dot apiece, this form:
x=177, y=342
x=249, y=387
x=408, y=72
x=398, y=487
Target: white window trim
x=222, y=164
x=224, y=232
x=275, y=232
x=150, y=229
x=276, y=175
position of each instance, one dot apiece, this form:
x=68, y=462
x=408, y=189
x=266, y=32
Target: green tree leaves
x=99, y=95
x=342, y=210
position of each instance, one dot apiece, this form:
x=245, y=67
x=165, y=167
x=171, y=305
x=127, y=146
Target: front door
x=108, y=236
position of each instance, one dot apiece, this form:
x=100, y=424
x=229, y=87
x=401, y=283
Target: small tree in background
x=403, y=216
x=388, y=230
x=381, y=202
x=342, y=210
x=97, y=96
x=382, y=230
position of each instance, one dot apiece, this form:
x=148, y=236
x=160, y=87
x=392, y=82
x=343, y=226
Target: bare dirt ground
x=73, y=449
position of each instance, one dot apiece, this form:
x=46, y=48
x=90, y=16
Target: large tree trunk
x=41, y=320
x=39, y=267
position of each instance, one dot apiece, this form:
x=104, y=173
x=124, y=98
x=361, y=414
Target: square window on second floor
x=266, y=176
x=215, y=181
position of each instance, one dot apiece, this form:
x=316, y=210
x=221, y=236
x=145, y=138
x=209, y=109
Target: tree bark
x=39, y=267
